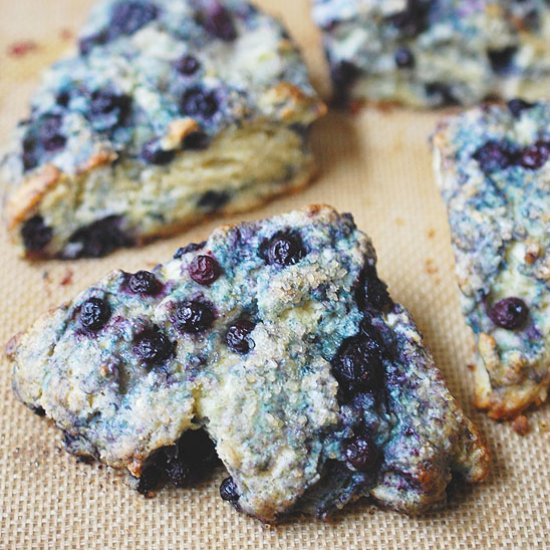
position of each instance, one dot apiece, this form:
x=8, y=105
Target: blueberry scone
x=493, y=170
x=277, y=340
x=428, y=53
x=172, y=110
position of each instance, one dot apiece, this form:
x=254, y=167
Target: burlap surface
x=376, y=165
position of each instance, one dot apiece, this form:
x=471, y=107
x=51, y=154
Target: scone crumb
x=543, y=425
x=521, y=425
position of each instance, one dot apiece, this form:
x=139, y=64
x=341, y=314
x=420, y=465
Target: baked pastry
x=492, y=166
x=171, y=111
x=279, y=341
x=427, y=53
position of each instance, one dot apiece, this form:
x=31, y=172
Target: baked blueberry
x=144, y=283
x=191, y=247
x=108, y=108
x=204, y=269
x=509, y=313
x=36, y=234
x=517, y=106
x=238, y=336
x=494, y=156
x=404, y=58
x=196, y=141
x=50, y=135
x=192, y=316
x=199, y=102
x=413, y=19
x=127, y=17
x=361, y=453
x=87, y=43
x=187, y=65
x=219, y=22
x=343, y=76
x=99, y=238
x=535, y=156
x=213, y=200
x=501, y=60
x=94, y=314
x=153, y=153
x=153, y=346
x=283, y=249
x=228, y=490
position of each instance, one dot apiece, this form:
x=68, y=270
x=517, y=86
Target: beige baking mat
x=376, y=165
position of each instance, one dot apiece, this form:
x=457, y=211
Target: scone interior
x=172, y=110
x=278, y=340
x=492, y=167
x=427, y=53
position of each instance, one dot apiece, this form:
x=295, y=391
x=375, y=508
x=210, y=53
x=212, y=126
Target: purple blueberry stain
x=212, y=201
x=535, y=156
x=187, y=65
x=196, y=141
x=204, y=270
x=361, y=453
x=127, y=17
x=191, y=247
x=218, y=21
x=517, y=106
x=193, y=317
x=404, y=58
x=108, y=108
x=343, y=75
x=199, y=102
x=100, y=238
x=412, y=20
x=501, y=60
x=509, y=313
x=229, y=491
x=283, y=249
x=153, y=153
x=94, y=314
x=495, y=155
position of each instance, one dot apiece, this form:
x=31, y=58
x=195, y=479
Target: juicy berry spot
x=94, y=314
x=197, y=102
x=509, y=313
x=145, y=283
x=238, y=337
x=213, y=200
x=495, y=155
x=29, y=155
x=192, y=317
x=127, y=17
x=357, y=365
x=442, y=91
x=100, y=238
x=283, y=249
x=361, y=453
x=109, y=108
x=413, y=19
x=219, y=22
x=228, y=490
x=535, y=156
x=372, y=293
x=501, y=60
x=343, y=75
x=36, y=234
x=49, y=133
x=187, y=65
x=196, y=141
x=153, y=153
x=204, y=270
x=153, y=346
x=87, y=43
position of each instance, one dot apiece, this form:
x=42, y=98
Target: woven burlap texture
x=375, y=164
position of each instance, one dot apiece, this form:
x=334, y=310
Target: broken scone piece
x=172, y=110
x=428, y=53
x=492, y=164
x=279, y=341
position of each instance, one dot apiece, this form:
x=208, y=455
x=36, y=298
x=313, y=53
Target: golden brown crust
x=22, y=203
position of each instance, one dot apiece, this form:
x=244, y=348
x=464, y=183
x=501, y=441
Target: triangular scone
x=492, y=166
x=428, y=53
x=172, y=110
x=276, y=338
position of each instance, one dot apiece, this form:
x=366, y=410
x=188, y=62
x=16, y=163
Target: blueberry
x=213, y=200
x=87, y=43
x=152, y=346
x=204, y=270
x=343, y=75
x=154, y=154
x=29, y=156
x=187, y=65
x=501, y=60
x=100, y=238
x=517, y=106
x=36, y=234
x=145, y=283
x=110, y=108
x=361, y=453
x=228, y=490
x=238, y=336
x=191, y=247
x=404, y=58
x=196, y=141
x=219, y=22
x=192, y=316
x=283, y=249
x=127, y=17
x=442, y=92
x=49, y=133
x=150, y=479
x=372, y=293
x=509, y=313
x=63, y=98
x=198, y=102
x=39, y=411
x=357, y=365
x=94, y=314
x=413, y=19
x=494, y=155
x=535, y=156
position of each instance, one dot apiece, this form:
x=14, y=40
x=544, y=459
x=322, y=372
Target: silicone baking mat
x=375, y=164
